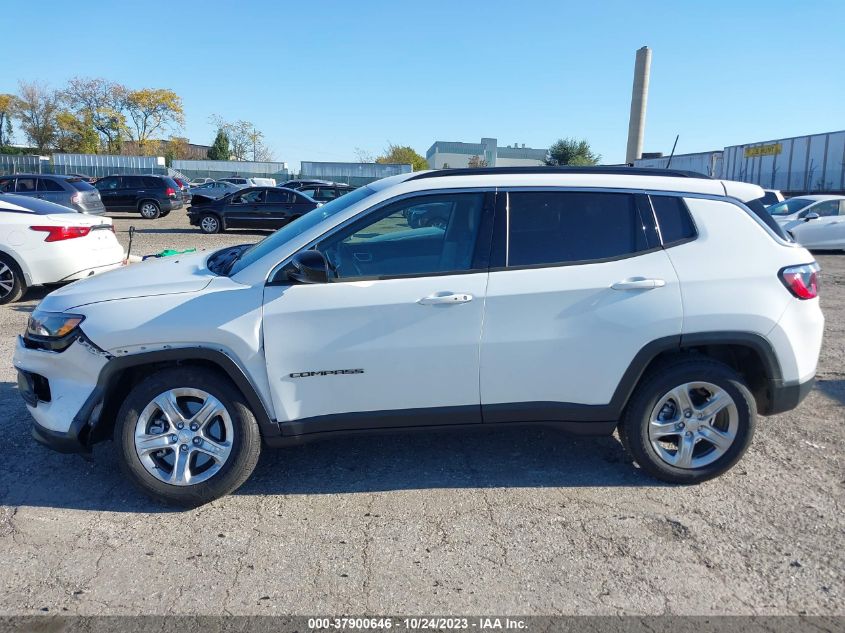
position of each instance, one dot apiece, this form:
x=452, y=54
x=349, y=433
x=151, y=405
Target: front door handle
x=441, y=298
x=638, y=283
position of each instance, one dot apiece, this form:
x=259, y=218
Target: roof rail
x=614, y=170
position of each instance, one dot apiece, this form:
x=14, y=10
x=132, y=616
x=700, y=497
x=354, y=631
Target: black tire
x=164, y=214
x=245, y=441
x=149, y=209
x=12, y=285
x=634, y=426
x=210, y=223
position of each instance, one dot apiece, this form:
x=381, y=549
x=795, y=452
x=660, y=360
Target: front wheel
x=210, y=223
x=187, y=436
x=689, y=421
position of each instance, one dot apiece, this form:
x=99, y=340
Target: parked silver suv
x=69, y=191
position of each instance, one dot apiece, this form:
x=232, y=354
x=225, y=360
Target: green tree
x=75, y=134
x=36, y=107
x=219, y=150
x=402, y=154
x=151, y=110
x=7, y=104
x=571, y=151
x=103, y=102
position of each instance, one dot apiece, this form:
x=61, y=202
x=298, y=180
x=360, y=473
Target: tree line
x=99, y=116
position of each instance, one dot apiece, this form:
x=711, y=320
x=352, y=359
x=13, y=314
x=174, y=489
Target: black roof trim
x=619, y=171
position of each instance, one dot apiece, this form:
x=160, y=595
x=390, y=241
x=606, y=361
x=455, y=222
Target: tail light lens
x=802, y=281
x=59, y=233
x=75, y=198
x=170, y=191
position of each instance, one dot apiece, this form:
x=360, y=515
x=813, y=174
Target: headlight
x=52, y=325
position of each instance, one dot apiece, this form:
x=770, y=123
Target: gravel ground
x=518, y=522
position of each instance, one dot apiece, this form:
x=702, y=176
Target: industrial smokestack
x=639, y=100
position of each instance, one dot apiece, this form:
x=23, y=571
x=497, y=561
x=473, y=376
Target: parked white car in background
x=816, y=222
x=44, y=243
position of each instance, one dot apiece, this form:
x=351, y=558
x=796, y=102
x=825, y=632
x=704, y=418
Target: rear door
x=280, y=208
x=578, y=286
x=50, y=190
x=109, y=189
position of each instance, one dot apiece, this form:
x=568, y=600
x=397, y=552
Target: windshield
x=298, y=227
x=788, y=207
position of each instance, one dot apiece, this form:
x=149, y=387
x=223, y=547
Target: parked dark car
x=324, y=192
x=296, y=184
x=253, y=207
x=151, y=196
x=68, y=191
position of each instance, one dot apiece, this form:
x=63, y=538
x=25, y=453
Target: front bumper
x=60, y=391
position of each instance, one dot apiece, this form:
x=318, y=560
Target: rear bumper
x=787, y=396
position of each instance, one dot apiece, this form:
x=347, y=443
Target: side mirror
x=811, y=216
x=308, y=267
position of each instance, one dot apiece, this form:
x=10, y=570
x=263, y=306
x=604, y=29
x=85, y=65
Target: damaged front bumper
x=61, y=392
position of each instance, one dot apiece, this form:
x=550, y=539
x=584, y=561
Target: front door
x=578, y=290
x=247, y=209
x=825, y=231
x=393, y=338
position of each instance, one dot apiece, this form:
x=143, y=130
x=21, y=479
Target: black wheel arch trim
x=87, y=420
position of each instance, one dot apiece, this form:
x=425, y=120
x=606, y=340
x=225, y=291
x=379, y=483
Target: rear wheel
x=689, y=421
x=210, y=223
x=149, y=210
x=186, y=436
x=12, y=286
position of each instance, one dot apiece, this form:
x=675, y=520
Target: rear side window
x=45, y=184
x=153, y=183
x=279, y=196
x=567, y=227
x=673, y=218
x=80, y=185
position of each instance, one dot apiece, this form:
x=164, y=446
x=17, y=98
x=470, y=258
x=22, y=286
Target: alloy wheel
x=209, y=224
x=184, y=436
x=148, y=210
x=693, y=425
x=7, y=281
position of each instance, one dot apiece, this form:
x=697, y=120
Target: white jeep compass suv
x=669, y=307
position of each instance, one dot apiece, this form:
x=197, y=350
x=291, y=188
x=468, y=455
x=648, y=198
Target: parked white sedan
x=816, y=222
x=43, y=243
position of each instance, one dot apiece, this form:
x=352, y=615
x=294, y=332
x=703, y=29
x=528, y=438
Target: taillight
x=75, y=198
x=802, y=281
x=170, y=191
x=59, y=233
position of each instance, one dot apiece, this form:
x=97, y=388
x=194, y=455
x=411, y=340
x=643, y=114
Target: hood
x=154, y=277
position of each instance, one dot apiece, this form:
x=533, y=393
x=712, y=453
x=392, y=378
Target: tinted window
x=769, y=198
x=673, y=218
x=105, y=184
x=7, y=185
x=562, y=227
x=80, y=185
x=25, y=185
x=826, y=208
x=305, y=200
x=133, y=182
x=45, y=184
x=423, y=235
x=279, y=196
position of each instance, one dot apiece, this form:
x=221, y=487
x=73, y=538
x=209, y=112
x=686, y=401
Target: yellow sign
x=763, y=150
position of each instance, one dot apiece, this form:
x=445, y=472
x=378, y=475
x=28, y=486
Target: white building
x=452, y=154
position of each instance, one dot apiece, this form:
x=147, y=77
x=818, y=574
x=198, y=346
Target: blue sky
x=321, y=78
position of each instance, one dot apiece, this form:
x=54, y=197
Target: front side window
x=825, y=209
x=7, y=185
x=256, y=196
x=567, y=227
x=418, y=236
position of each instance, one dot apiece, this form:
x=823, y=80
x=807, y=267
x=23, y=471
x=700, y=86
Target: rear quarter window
x=80, y=185
x=674, y=219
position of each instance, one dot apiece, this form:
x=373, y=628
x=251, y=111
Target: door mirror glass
x=308, y=267
x=811, y=216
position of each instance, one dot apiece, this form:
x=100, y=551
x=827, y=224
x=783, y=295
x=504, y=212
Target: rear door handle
x=445, y=298
x=638, y=283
